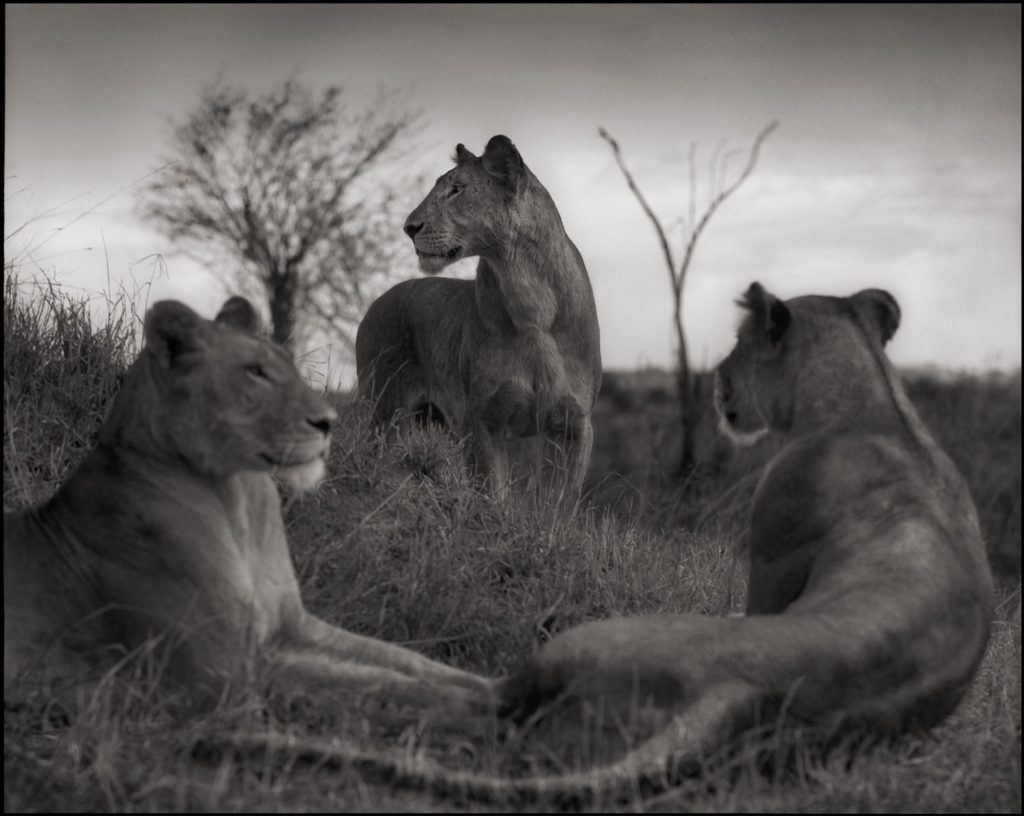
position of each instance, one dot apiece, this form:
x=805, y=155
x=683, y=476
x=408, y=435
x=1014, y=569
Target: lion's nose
x=411, y=229
x=324, y=422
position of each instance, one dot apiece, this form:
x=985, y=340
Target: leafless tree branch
x=718, y=192
x=639, y=197
x=718, y=200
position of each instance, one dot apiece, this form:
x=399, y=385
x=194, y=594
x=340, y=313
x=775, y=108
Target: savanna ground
x=398, y=544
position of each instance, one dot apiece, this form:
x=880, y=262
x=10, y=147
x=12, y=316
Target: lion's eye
x=256, y=370
x=455, y=190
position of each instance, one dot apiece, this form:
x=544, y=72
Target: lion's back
x=389, y=342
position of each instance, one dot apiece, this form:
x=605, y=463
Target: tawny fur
x=514, y=353
x=171, y=528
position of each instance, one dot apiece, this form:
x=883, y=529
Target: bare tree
x=286, y=187
x=688, y=387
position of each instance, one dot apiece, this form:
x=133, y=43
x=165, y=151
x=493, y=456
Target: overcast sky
x=896, y=164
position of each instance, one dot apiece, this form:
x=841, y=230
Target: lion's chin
x=302, y=478
x=741, y=439
x=433, y=264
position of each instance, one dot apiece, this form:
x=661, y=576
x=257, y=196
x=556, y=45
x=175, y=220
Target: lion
x=870, y=598
x=170, y=531
x=514, y=353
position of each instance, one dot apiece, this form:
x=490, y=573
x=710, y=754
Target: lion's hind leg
x=569, y=438
x=487, y=458
x=393, y=383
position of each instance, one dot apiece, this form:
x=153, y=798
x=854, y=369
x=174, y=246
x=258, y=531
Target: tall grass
x=398, y=544
x=60, y=371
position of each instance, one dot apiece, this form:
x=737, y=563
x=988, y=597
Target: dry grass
x=398, y=544
x=60, y=372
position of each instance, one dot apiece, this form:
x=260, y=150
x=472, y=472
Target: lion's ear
x=503, y=162
x=171, y=330
x=772, y=314
x=462, y=155
x=240, y=314
x=881, y=309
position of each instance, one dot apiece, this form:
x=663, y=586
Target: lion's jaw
x=302, y=478
x=432, y=259
x=300, y=462
x=741, y=439
x=728, y=421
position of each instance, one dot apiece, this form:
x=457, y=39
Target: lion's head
x=221, y=398
x=475, y=207
x=804, y=361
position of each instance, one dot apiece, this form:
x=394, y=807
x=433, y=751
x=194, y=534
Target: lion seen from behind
x=869, y=595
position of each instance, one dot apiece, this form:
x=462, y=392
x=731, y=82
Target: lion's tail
x=702, y=727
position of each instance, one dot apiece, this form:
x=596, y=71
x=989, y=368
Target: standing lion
x=514, y=353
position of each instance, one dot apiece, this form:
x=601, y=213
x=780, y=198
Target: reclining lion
x=172, y=528
x=870, y=597
x=514, y=353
